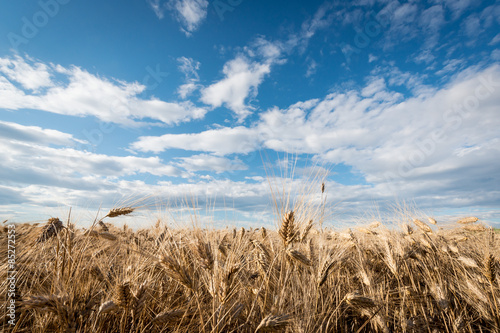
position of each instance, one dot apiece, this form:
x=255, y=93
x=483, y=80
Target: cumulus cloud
x=86, y=94
x=242, y=77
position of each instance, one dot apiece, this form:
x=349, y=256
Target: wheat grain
x=468, y=220
x=168, y=317
x=108, y=236
x=51, y=228
x=298, y=256
x=115, y=212
x=288, y=230
x=123, y=294
x=424, y=227
x=474, y=227
x=273, y=323
x=489, y=268
x=469, y=262
x=108, y=307
x=360, y=302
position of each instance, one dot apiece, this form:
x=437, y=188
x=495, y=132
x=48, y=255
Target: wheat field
x=298, y=278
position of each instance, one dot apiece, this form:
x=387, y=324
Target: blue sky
x=103, y=102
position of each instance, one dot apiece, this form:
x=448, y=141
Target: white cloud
x=472, y=25
x=30, y=74
x=158, y=6
x=241, y=79
x=185, y=90
x=270, y=51
x=403, y=20
x=374, y=87
x=220, y=141
x=451, y=66
x=34, y=173
x=495, y=55
x=495, y=40
x=444, y=140
x=372, y=58
x=35, y=134
x=204, y=162
x=243, y=74
x=190, y=68
x=432, y=20
x=311, y=68
x=458, y=6
x=189, y=13
x=68, y=166
x=86, y=94
x=322, y=19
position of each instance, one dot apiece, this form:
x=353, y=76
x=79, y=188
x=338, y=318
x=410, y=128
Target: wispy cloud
x=189, y=13
x=311, y=68
x=189, y=67
x=495, y=40
x=458, y=6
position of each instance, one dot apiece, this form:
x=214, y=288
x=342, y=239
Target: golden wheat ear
x=272, y=323
x=115, y=212
x=467, y=220
x=52, y=228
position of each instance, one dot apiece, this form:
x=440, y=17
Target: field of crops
x=299, y=278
